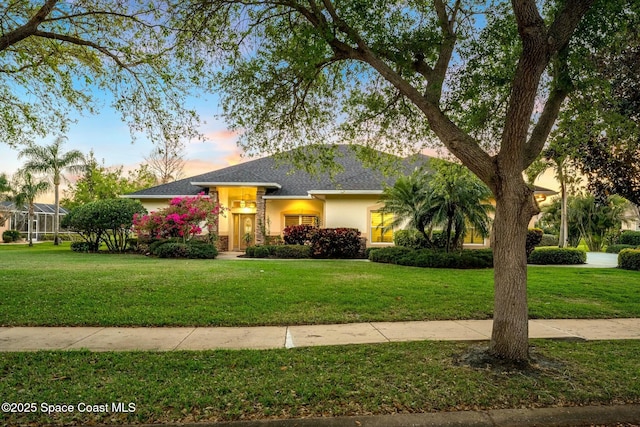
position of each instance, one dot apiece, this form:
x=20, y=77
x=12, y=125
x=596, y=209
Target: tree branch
x=28, y=29
x=81, y=42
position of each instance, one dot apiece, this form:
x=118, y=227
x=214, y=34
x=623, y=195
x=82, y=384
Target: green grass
x=321, y=381
x=52, y=286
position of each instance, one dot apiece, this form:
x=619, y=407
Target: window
x=381, y=232
x=472, y=237
x=290, y=220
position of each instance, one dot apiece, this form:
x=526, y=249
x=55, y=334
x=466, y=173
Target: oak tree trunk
x=515, y=206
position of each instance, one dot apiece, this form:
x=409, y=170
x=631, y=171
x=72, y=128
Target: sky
x=109, y=137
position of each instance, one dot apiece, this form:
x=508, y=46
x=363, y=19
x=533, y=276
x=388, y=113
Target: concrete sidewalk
x=13, y=339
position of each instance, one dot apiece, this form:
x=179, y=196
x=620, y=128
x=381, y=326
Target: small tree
x=107, y=221
x=183, y=218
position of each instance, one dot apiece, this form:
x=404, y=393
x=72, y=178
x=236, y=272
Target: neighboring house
x=17, y=219
x=264, y=197
x=632, y=218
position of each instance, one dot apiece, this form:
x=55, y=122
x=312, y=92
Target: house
x=17, y=219
x=265, y=196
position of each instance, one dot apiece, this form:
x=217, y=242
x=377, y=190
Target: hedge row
x=557, y=256
x=193, y=249
x=279, y=251
x=629, y=259
x=414, y=239
x=481, y=258
x=614, y=249
x=628, y=237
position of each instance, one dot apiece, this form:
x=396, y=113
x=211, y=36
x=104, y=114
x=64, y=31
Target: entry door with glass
x=244, y=231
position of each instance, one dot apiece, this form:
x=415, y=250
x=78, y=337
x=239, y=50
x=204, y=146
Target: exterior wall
x=352, y=212
x=276, y=209
x=152, y=205
x=632, y=216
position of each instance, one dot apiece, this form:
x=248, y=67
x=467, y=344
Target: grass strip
x=320, y=381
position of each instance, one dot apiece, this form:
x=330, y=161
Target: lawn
x=319, y=381
x=46, y=285
x=52, y=286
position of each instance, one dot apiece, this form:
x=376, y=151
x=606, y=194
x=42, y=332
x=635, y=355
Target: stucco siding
x=352, y=212
x=277, y=209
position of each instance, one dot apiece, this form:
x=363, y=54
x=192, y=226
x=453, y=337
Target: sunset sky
x=111, y=142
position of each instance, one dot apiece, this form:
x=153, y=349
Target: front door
x=244, y=231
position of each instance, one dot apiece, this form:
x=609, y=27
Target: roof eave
x=235, y=184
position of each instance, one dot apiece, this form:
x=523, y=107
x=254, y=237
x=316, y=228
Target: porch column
x=261, y=216
x=213, y=194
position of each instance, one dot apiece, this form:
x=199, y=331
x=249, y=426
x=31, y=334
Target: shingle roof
x=291, y=182
x=353, y=176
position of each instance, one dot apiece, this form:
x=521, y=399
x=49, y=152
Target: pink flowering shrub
x=183, y=218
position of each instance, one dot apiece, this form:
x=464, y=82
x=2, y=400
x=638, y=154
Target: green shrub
x=258, y=251
x=482, y=258
x=201, y=250
x=433, y=258
x=171, y=250
x=291, y=251
x=84, y=247
x=10, y=236
x=628, y=237
x=410, y=239
x=192, y=250
x=614, y=249
x=415, y=240
x=557, y=256
x=549, y=240
x=367, y=252
x=629, y=259
x=153, y=246
x=390, y=254
x=534, y=237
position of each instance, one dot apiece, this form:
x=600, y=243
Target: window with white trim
x=290, y=220
x=380, y=226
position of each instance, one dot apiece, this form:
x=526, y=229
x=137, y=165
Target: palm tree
x=449, y=196
x=52, y=161
x=458, y=199
x=407, y=200
x=24, y=191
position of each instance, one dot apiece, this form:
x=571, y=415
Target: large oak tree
x=488, y=80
